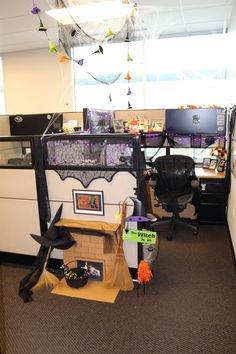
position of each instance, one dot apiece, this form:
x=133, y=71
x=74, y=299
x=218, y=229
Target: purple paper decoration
x=129, y=92
x=35, y=10
x=81, y=62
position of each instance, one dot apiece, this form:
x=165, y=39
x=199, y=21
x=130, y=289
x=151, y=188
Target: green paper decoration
x=109, y=34
x=129, y=58
x=52, y=47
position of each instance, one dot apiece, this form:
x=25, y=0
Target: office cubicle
x=195, y=133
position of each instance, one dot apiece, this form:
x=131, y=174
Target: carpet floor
x=189, y=307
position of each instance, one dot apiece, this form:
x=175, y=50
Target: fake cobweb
x=145, y=22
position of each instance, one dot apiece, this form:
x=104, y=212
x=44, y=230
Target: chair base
x=174, y=221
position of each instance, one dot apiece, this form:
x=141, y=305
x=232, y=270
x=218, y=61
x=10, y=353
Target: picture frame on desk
x=221, y=165
x=206, y=162
x=213, y=164
x=118, y=126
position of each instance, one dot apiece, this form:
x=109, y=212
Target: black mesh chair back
x=176, y=186
x=174, y=173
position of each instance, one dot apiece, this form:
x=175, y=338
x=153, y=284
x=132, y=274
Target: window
x=166, y=73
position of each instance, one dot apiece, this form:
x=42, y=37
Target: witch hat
x=56, y=237
x=52, y=47
x=35, y=10
x=129, y=92
x=99, y=50
x=127, y=38
x=109, y=34
x=42, y=28
x=128, y=77
x=139, y=212
x=129, y=58
x=62, y=57
x=80, y=62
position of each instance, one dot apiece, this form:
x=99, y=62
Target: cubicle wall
x=106, y=164
x=18, y=211
x=121, y=186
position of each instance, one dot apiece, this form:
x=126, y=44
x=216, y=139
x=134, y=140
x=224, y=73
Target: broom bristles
x=47, y=280
x=120, y=276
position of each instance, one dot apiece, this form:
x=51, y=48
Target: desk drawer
x=212, y=213
x=213, y=198
x=210, y=187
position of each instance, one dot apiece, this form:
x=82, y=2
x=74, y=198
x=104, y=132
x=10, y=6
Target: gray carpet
x=189, y=307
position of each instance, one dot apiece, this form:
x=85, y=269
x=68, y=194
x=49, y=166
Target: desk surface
x=207, y=173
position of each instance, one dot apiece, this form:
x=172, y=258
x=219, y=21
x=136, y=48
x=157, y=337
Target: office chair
x=175, y=186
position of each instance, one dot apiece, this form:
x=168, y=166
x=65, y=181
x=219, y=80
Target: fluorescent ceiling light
x=91, y=12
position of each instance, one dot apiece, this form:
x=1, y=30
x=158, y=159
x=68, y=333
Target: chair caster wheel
x=169, y=238
x=195, y=233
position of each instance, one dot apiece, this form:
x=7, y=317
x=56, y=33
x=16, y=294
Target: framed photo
x=206, y=162
x=213, y=164
x=118, y=126
x=88, y=202
x=94, y=268
x=221, y=165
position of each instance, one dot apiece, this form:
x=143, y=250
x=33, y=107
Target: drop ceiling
x=160, y=18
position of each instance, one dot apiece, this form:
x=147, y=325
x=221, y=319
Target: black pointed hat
x=56, y=237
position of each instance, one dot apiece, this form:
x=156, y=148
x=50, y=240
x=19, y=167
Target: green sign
x=142, y=236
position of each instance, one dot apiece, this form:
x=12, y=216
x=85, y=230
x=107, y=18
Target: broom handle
x=123, y=219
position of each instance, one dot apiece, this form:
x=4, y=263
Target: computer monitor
x=36, y=124
x=97, y=121
x=196, y=121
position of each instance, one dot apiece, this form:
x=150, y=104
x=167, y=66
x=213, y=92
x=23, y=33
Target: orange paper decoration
x=62, y=58
x=128, y=77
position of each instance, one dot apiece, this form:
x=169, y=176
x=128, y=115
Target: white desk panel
x=18, y=219
x=18, y=183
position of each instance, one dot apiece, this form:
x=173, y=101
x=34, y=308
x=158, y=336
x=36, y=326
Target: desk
x=206, y=173
x=213, y=196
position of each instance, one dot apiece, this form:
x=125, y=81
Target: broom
x=120, y=276
x=47, y=279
